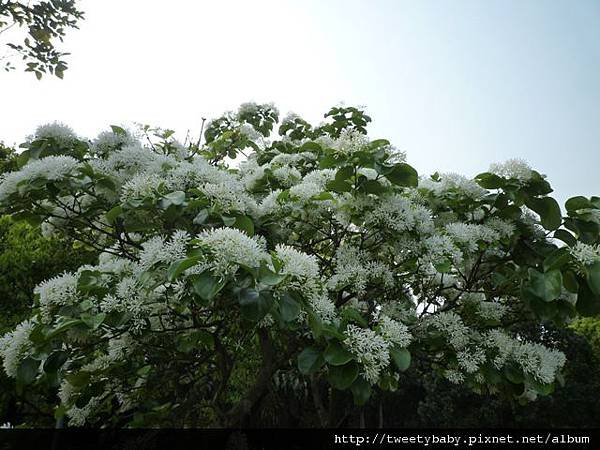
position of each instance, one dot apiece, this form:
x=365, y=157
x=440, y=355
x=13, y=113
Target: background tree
x=45, y=24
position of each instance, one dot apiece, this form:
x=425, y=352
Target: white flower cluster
x=350, y=141
x=401, y=214
x=15, y=346
x=586, y=254
x=58, y=291
x=470, y=360
x=50, y=168
x=297, y=264
x=513, y=168
x=160, y=250
x=534, y=359
x=370, y=349
x=469, y=234
x=492, y=310
x=140, y=186
x=353, y=267
x=451, y=325
x=322, y=305
x=108, y=141
x=440, y=247
x=395, y=332
x=60, y=132
x=231, y=247
x=453, y=182
x=312, y=184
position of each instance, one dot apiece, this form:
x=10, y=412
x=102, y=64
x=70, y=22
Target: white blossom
x=16, y=346
x=586, y=254
x=513, y=168
x=231, y=247
x=370, y=349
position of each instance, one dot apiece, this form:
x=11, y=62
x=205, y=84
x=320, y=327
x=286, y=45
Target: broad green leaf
x=27, y=371
x=353, y=315
x=575, y=203
x=361, y=391
x=593, y=277
x=55, y=361
x=336, y=355
x=254, y=305
x=401, y=358
x=566, y=237
x=111, y=216
x=93, y=320
x=289, y=308
x=178, y=267
x=548, y=210
x=244, y=223
x=342, y=377
x=489, y=180
x=310, y=360
x=268, y=277
x=403, y=175
x=545, y=286
x=588, y=303
x=206, y=285
x=339, y=186
x=557, y=259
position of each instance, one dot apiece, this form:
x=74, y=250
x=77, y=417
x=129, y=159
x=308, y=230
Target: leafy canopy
x=280, y=251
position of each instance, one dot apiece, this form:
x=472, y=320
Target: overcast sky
x=456, y=84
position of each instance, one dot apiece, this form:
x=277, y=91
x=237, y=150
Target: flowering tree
x=318, y=259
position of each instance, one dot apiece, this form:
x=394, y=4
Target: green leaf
x=79, y=379
x=64, y=326
x=201, y=217
x=255, y=305
x=575, y=203
x=310, y=360
x=588, y=303
x=111, y=216
x=344, y=173
x=361, y=391
x=566, y=237
x=206, y=285
x=489, y=180
x=244, y=223
x=27, y=371
x=268, y=277
x=353, y=315
x=545, y=286
x=373, y=187
x=557, y=259
x=513, y=374
x=570, y=281
x=118, y=130
x=342, y=377
x=55, y=361
x=93, y=320
x=174, y=198
x=548, y=210
x=339, y=186
x=289, y=308
x=178, y=267
x=593, y=277
x=401, y=358
x=336, y=355
x=403, y=175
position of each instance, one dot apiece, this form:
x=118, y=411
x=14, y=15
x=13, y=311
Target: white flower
x=231, y=247
x=57, y=131
x=58, y=291
x=370, y=349
x=513, y=168
x=451, y=325
x=453, y=182
x=159, y=250
x=140, y=186
x=229, y=196
x=322, y=306
x=470, y=235
x=15, y=346
x=586, y=254
x=469, y=361
x=394, y=331
x=401, y=214
x=297, y=264
x=108, y=141
x=50, y=168
x=350, y=141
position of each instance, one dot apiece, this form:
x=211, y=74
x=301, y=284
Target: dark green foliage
x=45, y=22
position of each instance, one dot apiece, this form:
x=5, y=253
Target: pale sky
x=456, y=84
